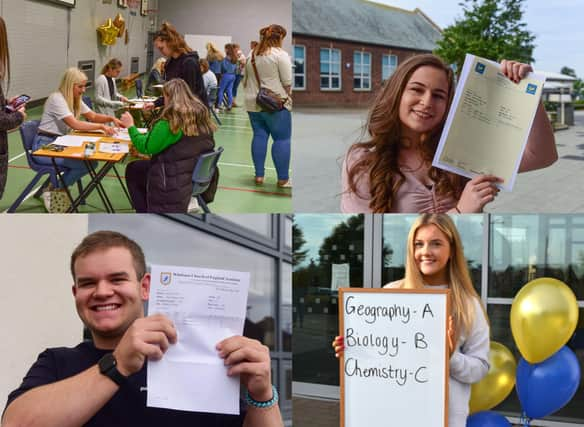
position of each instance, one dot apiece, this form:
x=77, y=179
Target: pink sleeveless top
x=412, y=196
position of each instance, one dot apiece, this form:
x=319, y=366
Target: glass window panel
x=357, y=83
x=501, y=332
x=336, y=83
x=324, y=67
x=393, y=60
x=286, y=306
x=324, y=82
x=299, y=52
x=261, y=224
x=525, y=247
x=329, y=256
x=366, y=83
x=357, y=68
x=335, y=69
x=357, y=57
x=324, y=55
x=298, y=81
x=336, y=55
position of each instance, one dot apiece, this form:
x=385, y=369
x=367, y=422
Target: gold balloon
x=108, y=33
x=544, y=316
x=498, y=382
x=120, y=24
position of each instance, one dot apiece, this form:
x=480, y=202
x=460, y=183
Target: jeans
x=226, y=85
x=238, y=78
x=136, y=179
x=279, y=126
x=73, y=170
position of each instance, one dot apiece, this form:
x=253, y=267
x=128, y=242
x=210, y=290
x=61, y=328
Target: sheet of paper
x=116, y=147
x=206, y=307
x=123, y=134
x=489, y=122
x=74, y=140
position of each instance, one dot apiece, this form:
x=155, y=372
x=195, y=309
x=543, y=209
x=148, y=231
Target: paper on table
x=123, y=134
x=116, y=147
x=206, y=307
x=74, y=140
x=489, y=122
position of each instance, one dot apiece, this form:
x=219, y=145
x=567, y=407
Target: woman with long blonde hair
x=181, y=134
x=8, y=120
x=274, y=71
x=435, y=259
x=391, y=169
x=214, y=57
x=61, y=114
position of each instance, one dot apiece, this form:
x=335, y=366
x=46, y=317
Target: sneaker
x=46, y=196
x=193, y=205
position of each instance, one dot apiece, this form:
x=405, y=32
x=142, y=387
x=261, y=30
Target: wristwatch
x=107, y=366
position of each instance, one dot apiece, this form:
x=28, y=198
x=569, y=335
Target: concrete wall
x=45, y=38
x=241, y=20
x=37, y=308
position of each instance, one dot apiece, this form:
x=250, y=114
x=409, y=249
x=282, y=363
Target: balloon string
x=525, y=420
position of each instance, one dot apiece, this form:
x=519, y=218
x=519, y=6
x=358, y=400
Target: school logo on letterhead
x=480, y=68
x=165, y=278
x=531, y=88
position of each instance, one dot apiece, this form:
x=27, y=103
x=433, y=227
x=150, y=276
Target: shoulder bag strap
x=255, y=70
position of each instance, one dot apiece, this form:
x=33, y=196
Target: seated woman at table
x=182, y=133
x=61, y=114
x=107, y=97
x=156, y=77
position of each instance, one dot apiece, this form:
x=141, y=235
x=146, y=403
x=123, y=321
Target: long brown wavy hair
x=184, y=111
x=270, y=36
x=380, y=152
x=173, y=38
x=462, y=292
x=4, y=55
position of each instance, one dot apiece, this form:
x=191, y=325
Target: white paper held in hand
x=206, y=306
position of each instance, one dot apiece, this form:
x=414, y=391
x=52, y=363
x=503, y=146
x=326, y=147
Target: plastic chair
x=203, y=174
x=28, y=132
x=211, y=98
x=87, y=101
x=139, y=89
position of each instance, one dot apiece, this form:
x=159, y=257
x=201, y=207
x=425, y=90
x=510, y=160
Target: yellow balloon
x=108, y=33
x=498, y=383
x=120, y=24
x=544, y=316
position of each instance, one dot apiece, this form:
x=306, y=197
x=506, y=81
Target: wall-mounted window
x=388, y=66
x=299, y=82
x=362, y=71
x=330, y=69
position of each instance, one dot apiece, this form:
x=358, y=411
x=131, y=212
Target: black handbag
x=267, y=99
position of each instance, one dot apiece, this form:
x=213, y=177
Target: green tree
x=568, y=71
x=491, y=29
x=578, y=84
x=298, y=241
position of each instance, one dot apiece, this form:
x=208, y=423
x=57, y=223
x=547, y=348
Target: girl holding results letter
x=435, y=259
x=392, y=171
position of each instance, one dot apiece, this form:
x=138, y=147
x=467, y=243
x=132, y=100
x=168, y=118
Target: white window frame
x=330, y=75
x=388, y=67
x=296, y=74
x=362, y=75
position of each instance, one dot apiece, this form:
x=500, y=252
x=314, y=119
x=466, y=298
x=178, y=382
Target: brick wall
x=346, y=96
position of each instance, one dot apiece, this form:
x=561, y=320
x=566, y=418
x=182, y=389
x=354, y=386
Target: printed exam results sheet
x=206, y=306
x=489, y=122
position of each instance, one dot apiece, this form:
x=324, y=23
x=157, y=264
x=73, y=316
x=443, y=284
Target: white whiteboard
x=199, y=43
x=394, y=370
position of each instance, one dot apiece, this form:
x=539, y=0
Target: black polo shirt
x=128, y=406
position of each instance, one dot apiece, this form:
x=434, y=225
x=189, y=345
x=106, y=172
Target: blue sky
x=557, y=25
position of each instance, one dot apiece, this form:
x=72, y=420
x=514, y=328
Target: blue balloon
x=487, y=419
x=546, y=387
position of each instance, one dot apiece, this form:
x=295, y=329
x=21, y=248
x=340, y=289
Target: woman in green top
x=183, y=132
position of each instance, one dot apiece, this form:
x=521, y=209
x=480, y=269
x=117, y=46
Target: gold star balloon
x=120, y=24
x=108, y=33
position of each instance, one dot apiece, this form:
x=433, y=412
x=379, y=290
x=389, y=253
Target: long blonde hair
x=213, y=53
x=462, y=292
x=73, y=76
x=4, y=55
x=184, y=111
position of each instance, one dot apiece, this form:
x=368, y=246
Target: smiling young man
x=102, y=382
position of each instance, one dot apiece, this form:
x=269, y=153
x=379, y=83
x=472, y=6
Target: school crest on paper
x=165, y=278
